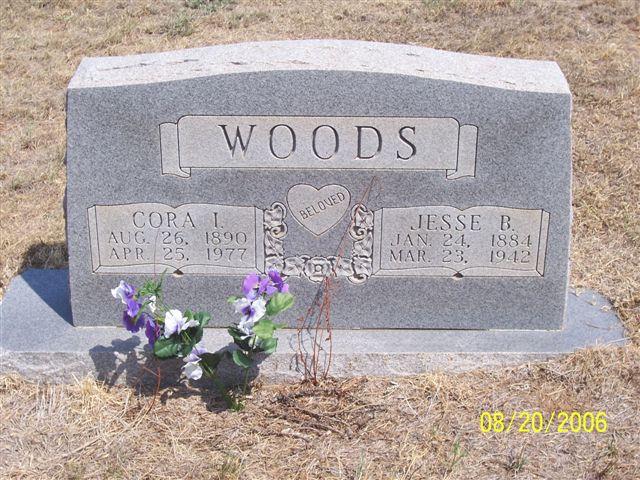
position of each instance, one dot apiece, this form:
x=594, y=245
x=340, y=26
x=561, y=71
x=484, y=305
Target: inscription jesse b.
x=479, y=241
x=319, y=143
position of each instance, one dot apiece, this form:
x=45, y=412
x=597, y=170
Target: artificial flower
x=131, y=322
x=276, y=283
x=253, y=286
x=123, y=291
x=175, y=322
x=152, y=303
x=151, y=330
x=192, y=368
x=251, y=311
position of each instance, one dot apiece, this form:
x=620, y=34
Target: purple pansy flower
x=126, y=293
x=277, y=283
x=253, y=286
x=133, y=307
x=132, y=323
x=123, y=291
x=151, y=330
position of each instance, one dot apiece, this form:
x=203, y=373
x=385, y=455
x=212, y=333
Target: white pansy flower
x=246, y=327
x=192, y=369
x=251, y=311
x=152, y=303
x=175, y=322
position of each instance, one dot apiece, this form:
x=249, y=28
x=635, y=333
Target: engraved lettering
x=135, y=216
x=477, y=241
x=336, y=142
x=151, y=238
x=360, y=155
x=237, y=139
x=408, y=142
x=171, y=218
x=317, y=143
x=292, y=141
x=155, y=219
x=318, y=210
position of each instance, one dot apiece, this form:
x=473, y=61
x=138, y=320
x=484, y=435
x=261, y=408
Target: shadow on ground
x=125, y=362
x=122, y=361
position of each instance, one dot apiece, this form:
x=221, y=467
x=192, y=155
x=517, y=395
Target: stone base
x=38, y=341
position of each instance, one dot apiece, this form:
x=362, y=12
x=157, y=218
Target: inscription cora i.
x=193, y=238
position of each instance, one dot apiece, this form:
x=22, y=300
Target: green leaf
x=237, y=335
x=233, y=298
x=189, y=338
x=167, y=347
x=240, y=359
x=279, y=303
x=211, y=359
x=234, y=332
x=268, y=345
x=151, y=287
x=198, y=334
x=264, y=328
x=202, y=318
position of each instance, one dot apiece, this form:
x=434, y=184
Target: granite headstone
x=432, y=189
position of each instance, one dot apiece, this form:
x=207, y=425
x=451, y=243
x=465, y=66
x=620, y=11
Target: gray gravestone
x=431, y=188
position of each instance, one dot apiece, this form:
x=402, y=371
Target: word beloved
x=322, y=205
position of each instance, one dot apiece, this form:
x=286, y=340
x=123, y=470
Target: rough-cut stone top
x=323, y=55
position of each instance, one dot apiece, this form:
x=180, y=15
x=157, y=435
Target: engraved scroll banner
x=442, y=240
x=318, y=143
x=191, y=238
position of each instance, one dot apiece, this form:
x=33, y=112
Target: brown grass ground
x=421, y=427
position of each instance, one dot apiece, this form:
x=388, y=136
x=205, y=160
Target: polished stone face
x=431, y=189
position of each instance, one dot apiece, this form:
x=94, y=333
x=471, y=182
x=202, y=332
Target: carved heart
x=318, y=210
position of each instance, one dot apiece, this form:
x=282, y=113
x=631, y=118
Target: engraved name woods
x=318, y=143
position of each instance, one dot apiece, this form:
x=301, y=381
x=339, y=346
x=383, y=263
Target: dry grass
x=408, y=428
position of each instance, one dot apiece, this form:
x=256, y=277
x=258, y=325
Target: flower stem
x=246, y=370
x=209, y=372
